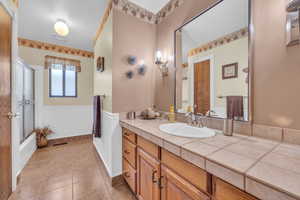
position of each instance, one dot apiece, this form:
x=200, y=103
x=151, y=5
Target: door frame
x=191, y=70
x=14, y=53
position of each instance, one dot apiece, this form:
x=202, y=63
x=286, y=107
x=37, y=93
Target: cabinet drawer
x=129, y=152
x=175, y=187
x=129, y=135
x=190, y=172
x=129, y=174
x=148, y=147
x=226, y=191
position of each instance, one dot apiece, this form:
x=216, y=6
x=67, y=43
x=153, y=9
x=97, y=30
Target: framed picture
x=230, y=71
x=100, y=64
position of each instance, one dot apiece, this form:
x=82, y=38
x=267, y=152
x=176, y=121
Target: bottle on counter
x=171, y=115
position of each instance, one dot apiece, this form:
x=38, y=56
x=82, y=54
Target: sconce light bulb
x=142, y=62
x=158, y=55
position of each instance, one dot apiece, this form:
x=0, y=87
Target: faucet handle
x=200, y=114
x=209, y=113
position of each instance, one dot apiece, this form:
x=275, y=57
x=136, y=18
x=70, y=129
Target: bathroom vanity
x=157, y=165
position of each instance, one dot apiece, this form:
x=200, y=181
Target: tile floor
x=68, y=172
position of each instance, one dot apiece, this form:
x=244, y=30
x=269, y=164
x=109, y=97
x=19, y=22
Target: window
x=63, y=81
x=62, y=78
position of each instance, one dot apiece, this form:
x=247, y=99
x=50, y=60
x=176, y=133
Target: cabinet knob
x=126, y=151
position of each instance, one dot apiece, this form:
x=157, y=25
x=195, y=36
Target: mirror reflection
x=212, y=73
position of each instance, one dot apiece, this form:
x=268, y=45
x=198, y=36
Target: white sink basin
x=184, y=130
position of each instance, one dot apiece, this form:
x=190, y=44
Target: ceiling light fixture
x=61, y=28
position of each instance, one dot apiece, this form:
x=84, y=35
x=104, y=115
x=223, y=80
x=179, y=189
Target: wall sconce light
x=163, y=65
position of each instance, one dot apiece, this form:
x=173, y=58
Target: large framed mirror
x=213, y=59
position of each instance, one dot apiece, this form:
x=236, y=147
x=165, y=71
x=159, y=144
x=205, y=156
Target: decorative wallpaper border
x=54, y=47
x=221, y=41
x=167, y=10
x=134, y=10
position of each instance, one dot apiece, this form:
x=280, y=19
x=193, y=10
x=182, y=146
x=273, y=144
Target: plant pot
x=42, y=142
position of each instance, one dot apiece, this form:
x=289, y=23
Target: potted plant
x=41, y=136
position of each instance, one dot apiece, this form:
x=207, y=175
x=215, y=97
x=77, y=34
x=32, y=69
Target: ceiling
x=225, y=18
x=151, y=5
x=37, y=18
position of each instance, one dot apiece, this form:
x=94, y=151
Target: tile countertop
x=267, y=169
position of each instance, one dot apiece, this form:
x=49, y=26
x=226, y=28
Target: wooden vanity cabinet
x=154, y=173
x=129, y=152
x=148, y=175
x=129, y=174
x=129, y=159
x=129, y=135
x=195, y=175
x=174, y=187
x=225, y=191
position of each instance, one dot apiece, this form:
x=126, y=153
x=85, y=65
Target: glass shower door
x=28, y=102
x=25, y=99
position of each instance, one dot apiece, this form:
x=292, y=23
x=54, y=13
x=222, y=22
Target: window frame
x=63, y=84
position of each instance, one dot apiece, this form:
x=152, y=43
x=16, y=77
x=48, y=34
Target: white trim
x=191, y=62
x=102, y=158
x=27, y=148
x=109, y=145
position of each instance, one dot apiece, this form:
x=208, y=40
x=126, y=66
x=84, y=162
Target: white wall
x=109, y=146
x=64, y=120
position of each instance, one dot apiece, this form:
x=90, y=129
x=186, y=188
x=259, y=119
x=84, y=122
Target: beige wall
x=36, y=57
x=103, y=80
x=276, y=67
x=132, y=37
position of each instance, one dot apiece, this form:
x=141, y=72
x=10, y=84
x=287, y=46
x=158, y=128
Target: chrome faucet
x=190, y=118
x=195, y=120
x=199, y=120
x=210, y=113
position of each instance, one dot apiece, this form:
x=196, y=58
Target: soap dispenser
x=228, y=127
x=171, y=116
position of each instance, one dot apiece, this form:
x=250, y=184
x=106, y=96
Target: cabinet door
x=225, y=191
x=148, y=173
x=174, y=187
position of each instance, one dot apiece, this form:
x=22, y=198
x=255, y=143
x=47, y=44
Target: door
x=5, y=103
x=148, y=176
x=173, y=187
x=202, y=87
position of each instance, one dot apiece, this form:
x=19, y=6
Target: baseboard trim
x=51, y=142
x=113, y=181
